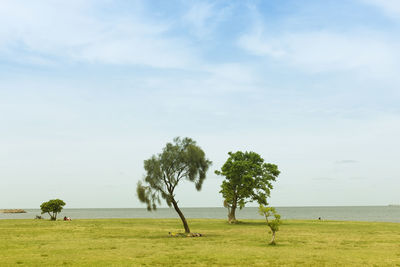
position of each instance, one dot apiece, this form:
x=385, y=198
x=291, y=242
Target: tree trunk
x=52, y=217
x=232, y=214
x=185, y=224
x=273, y=239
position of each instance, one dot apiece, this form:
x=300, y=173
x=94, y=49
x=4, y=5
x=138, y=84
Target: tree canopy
x=52, y=207
x=180, y=160
x=247, y=178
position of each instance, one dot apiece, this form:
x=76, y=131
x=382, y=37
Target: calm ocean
x=361, y=213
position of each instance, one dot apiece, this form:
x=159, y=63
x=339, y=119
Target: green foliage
x=52, y=207
x=273, y=219
x=247, y=178
x=180, y=160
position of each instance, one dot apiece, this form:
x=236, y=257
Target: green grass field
x=127, y=242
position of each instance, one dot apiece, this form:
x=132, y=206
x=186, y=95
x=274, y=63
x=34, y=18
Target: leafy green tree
x=179, y=160
x=273, y=223
x=52, y=207
x=247, y=178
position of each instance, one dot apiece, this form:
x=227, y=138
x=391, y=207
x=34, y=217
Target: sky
x=90, y=89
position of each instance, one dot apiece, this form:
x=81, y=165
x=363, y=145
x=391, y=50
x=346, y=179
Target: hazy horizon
x=183, y=207
x=90, y=89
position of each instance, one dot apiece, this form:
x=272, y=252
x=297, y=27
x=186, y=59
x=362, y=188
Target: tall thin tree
x=180, y=160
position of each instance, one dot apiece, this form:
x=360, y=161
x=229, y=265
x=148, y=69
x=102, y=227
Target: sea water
x=355, y=213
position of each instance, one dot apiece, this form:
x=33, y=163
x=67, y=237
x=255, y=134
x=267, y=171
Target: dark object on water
x=319, y=218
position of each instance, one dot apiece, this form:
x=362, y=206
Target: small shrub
x=273, y=220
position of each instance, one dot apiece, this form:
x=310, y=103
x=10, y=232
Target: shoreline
x=371, y=214
x=218, y=207
x=241, y=222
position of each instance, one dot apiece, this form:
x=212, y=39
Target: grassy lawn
x=127, y=242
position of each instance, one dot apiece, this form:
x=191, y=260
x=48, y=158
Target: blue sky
x=89, y=89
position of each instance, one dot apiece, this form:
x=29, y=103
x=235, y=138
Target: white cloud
x=131, y=47
x=389, y=7
x=233, y=72
x=74, y=32
x=256, y=43
x=198, y=16
x=202, y=18
x=322, y=51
